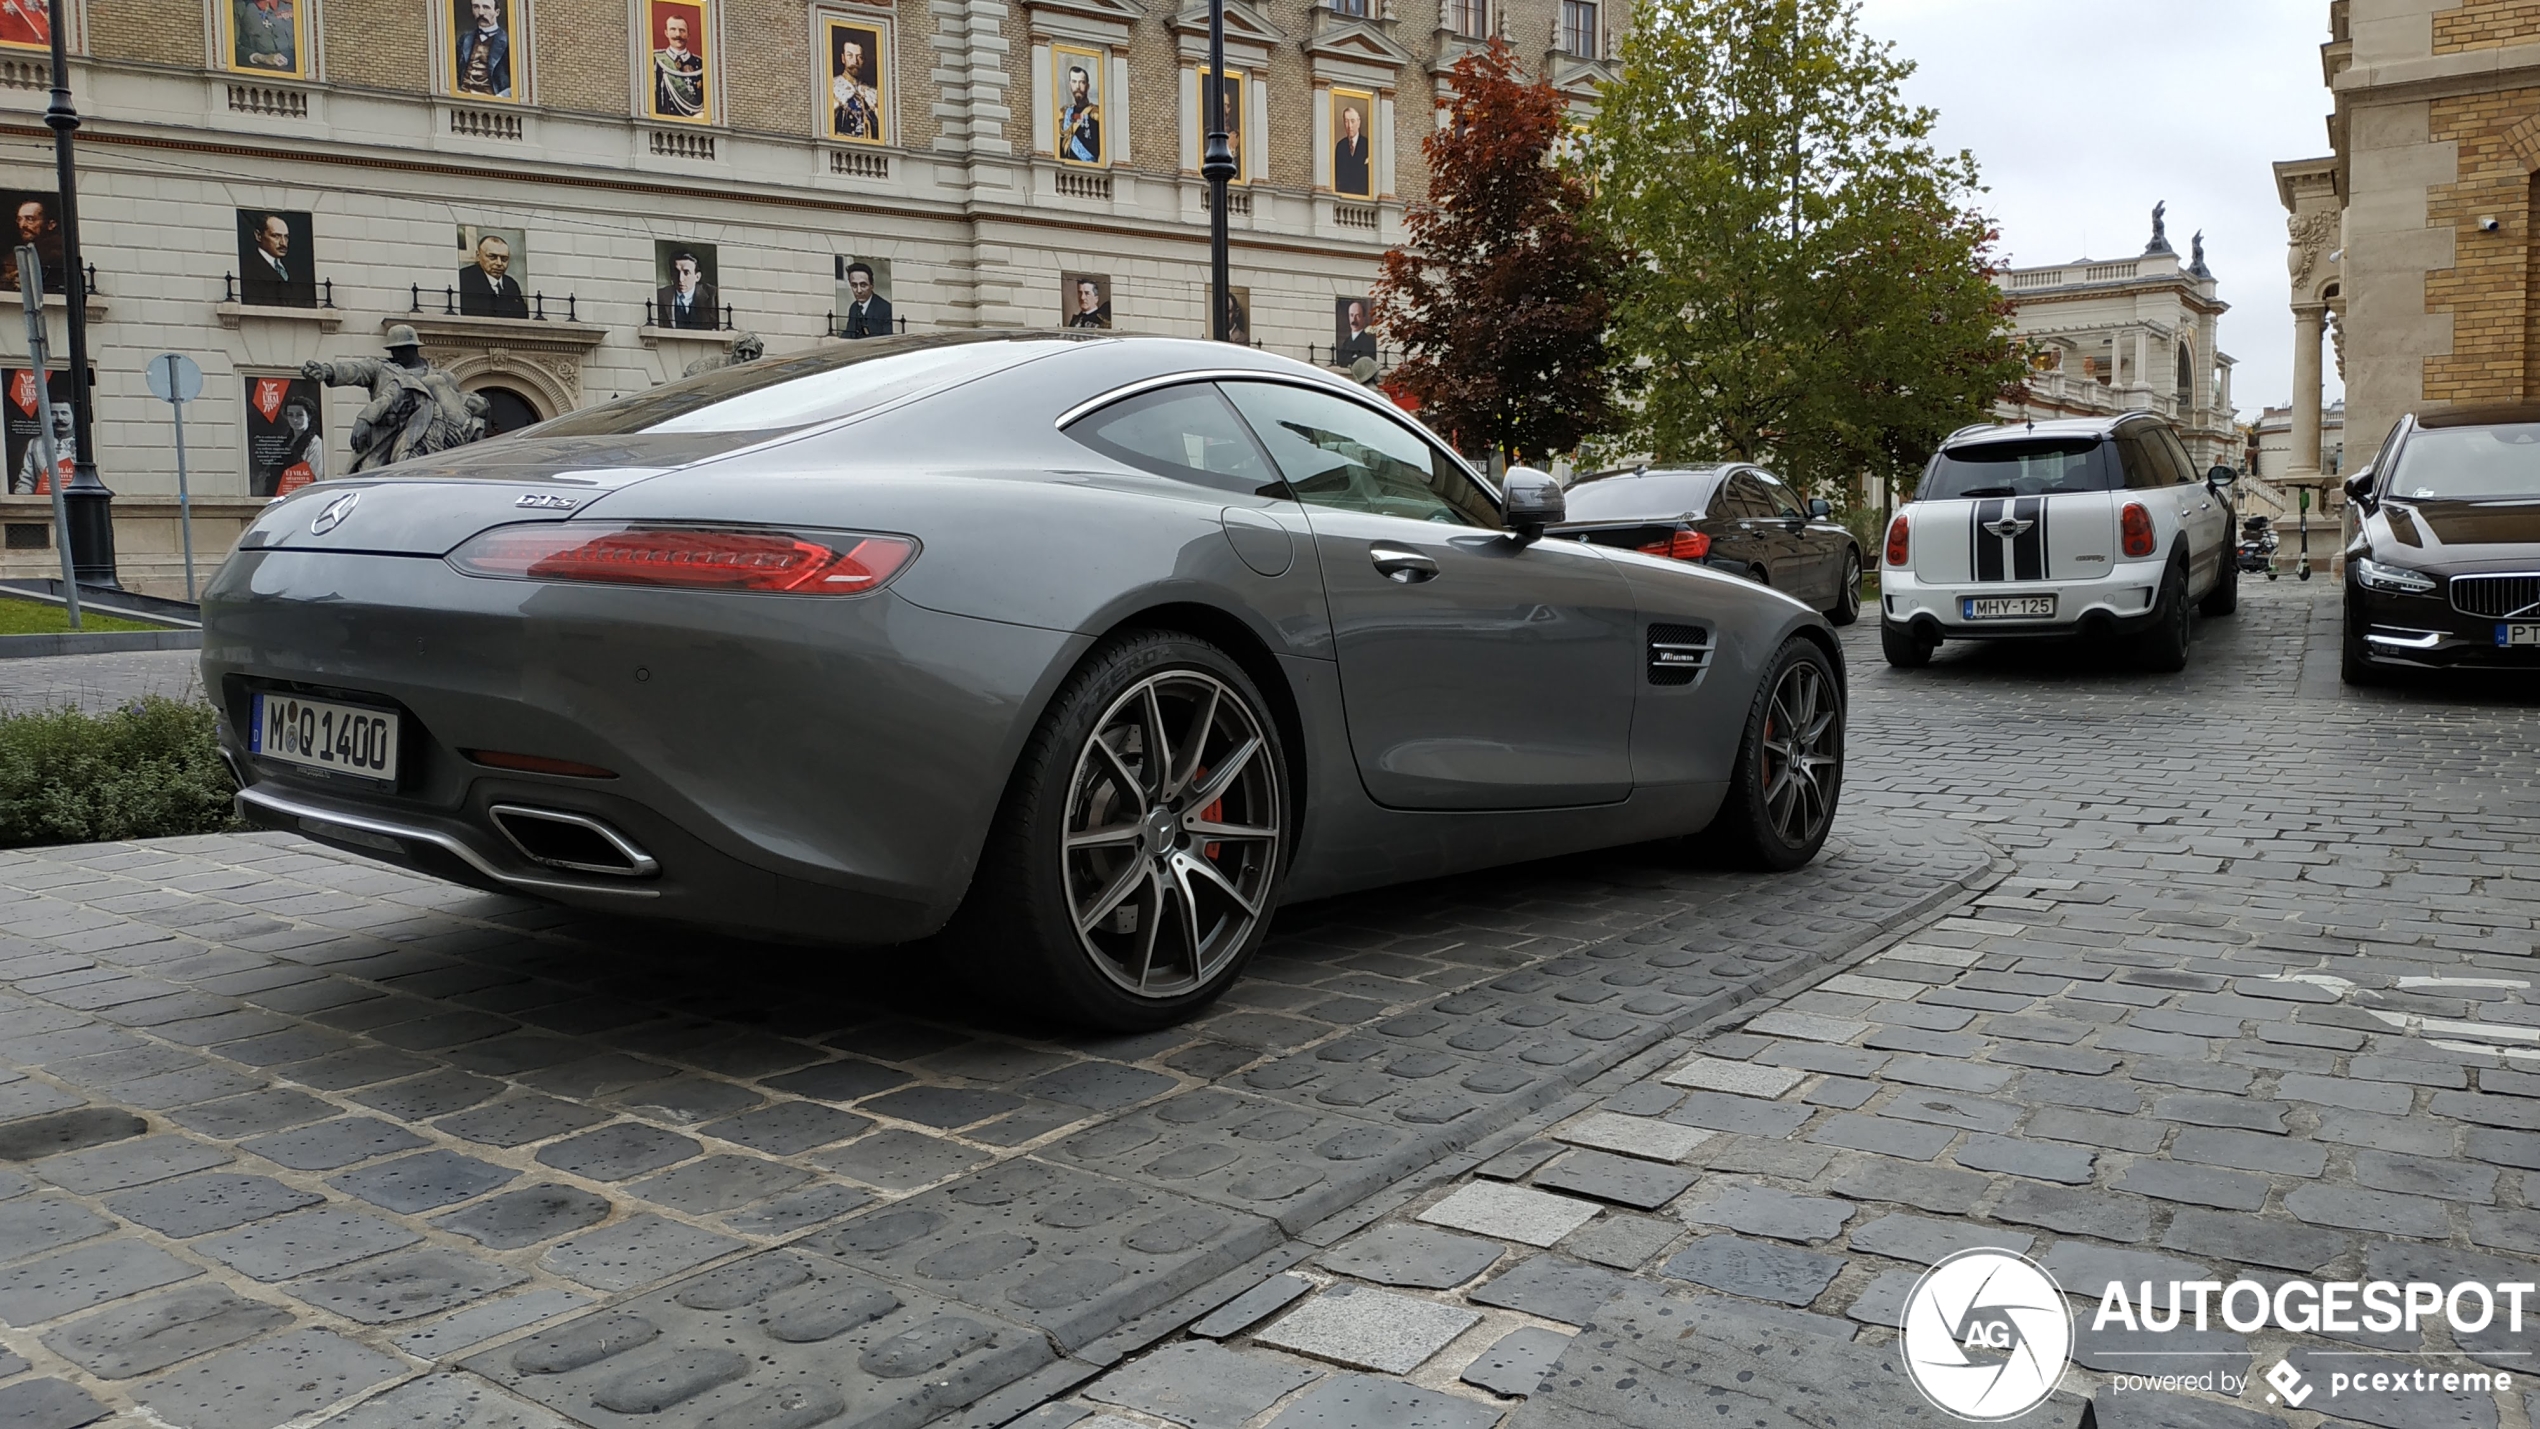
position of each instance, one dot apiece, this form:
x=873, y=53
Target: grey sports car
x=1087, y=651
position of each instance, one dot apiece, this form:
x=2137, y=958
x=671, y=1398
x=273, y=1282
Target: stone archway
x=540, y=387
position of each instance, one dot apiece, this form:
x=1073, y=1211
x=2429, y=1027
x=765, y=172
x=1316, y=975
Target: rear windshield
x=775, y=395
x=2468, y=463
x=2043, y=467
x=1659, y=495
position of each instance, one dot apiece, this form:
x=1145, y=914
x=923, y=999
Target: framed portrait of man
x=24, y=417
x=286, y=434
x=1077, y=132
x=493, y=267
x=1231, y=97
x=686, y=292
x=864, y=297
x=1084, y=300
x=678, y=73
x=1353, y=129
x=277, y=264
x=1352, y=335
x=262, y=37
x=34, y=216
x=26, y=25
x=488, y=52
x=1238, y=317
x=857, y=55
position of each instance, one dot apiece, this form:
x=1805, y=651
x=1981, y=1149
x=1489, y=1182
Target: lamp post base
x=92, y=522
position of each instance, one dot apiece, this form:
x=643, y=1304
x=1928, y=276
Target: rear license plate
x=2509, y=636
x=2006, y=607
x=321, y=734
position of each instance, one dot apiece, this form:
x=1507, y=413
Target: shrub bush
x=149, y=769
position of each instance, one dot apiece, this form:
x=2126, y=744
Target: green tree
x=1500, y=294
x=1816, y=290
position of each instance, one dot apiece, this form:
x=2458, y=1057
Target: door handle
x=1402, y=565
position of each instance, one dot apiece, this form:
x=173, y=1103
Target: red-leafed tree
x=1500, y=294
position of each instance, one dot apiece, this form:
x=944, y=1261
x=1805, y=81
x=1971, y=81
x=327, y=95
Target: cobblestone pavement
x=95, y=682
x=2257, y=1002
x=291, y=1134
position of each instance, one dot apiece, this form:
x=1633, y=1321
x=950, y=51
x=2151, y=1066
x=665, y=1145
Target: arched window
x=2186, y=378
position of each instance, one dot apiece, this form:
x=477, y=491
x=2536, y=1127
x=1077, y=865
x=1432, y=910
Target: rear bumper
x=793, y=767
x=2117, y=603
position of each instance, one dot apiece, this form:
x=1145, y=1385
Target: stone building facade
x=2411, y=240
x=939, y=143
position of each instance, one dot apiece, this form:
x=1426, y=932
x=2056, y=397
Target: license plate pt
x=324, y=734
x=2007, y=607
x=2516, y=635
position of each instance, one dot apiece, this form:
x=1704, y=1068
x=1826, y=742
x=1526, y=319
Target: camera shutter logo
x=1987, y=1335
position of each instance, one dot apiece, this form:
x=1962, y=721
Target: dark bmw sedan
x=2444, y=570
x=1730, y=517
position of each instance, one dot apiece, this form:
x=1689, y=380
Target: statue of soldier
x=414, y=409
x=748, y=347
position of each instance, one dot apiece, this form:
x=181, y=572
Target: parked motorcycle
x=2257, y=546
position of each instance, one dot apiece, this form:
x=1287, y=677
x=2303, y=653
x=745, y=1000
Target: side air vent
x=1678, y=653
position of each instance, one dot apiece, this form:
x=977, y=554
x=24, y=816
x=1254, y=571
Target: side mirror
x=1532, y=501
x=2221, y=476
x=2359, y=488
x=1819, y=508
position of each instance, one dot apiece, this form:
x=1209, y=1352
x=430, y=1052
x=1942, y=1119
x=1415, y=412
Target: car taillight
x=1682, y=546
x=2134, y=525
x=687, y=557
x=1900, y=543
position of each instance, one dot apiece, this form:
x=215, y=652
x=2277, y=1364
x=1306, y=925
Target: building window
x=1469, y=17
x=1578, y=28
x=1362, y=9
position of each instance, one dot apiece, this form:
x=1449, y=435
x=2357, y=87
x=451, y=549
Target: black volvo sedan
x=2444, y=569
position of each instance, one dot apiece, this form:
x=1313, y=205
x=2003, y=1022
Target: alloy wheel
x=1848, y=601
x=1172, y=833
x=1802, y=753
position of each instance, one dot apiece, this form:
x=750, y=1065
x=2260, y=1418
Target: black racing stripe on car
x=1988, y=548
x=2028, y=549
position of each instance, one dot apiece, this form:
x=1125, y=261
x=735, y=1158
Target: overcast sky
x=2083, y=116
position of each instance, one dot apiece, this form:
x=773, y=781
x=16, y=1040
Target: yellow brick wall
x=2486, y=25
x=376, y=43
x=2487, y=290
x=168, y=32
x=580, y=50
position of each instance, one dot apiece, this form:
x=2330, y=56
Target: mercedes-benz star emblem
x=334, y=514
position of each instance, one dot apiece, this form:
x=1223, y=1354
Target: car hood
x=2458, y=534
x=427, y=506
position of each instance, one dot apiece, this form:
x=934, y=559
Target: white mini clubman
x=2098, y=527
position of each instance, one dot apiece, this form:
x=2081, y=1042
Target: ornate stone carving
x=2310, y=235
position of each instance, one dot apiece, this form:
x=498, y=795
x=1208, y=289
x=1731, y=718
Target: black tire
x=1019, y=929
x=1902, y=647
x=1782, y=795
x=1847, y=596
x=2224, y=598
x=2354, y=666
x=2163, y=647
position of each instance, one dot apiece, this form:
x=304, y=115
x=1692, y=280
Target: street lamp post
x=91, y=505
x=1217, y=165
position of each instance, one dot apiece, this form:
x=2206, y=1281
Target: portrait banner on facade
x=687, y=291
x=864, y=297
x=276, y=265
x=286, y=435
x=1078, y=133
x=489, y=51
x=34, y=216
x=1231, y=99
x=1352, y=338
x=1084, y=300
x=493, y=269
x=857, y=56
x=262, y=37
x=25, y=25
x=1353, y=122
x=24, y=418
x=678, y=74
x=1238, y=317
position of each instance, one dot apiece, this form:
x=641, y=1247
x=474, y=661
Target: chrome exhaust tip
x=578, y=842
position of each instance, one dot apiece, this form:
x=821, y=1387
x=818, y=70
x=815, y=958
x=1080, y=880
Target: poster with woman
x=677, y=83
x=263, y=37
x=1076, y=77
x=25, y=417
x=858, y=53
x=286, y=435
x=1231, y=99
x=1353, y=171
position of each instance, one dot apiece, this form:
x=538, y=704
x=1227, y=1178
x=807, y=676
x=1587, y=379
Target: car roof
x=2055, y=427
x=1627, y=473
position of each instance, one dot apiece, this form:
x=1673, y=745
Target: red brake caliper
x=1214, y=813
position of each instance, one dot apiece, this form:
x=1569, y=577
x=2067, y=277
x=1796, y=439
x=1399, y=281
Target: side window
x=1742, y=499
x=1188, y=433
x=2143, y=472
x=1777, y=497
x=2179, y=460
x=1337, y=453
